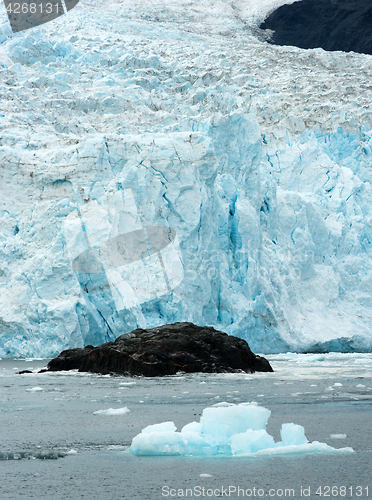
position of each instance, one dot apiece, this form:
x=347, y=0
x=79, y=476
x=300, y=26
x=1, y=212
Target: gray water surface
x=53, y=446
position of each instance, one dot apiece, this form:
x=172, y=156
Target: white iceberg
x=227, y=430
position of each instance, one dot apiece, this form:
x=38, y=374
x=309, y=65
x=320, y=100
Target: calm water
x=54, y=447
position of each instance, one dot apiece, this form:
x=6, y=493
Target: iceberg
x=227, y=430
x=163, y=164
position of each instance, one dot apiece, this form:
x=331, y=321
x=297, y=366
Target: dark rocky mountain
x=165, y=350
x=330, y=24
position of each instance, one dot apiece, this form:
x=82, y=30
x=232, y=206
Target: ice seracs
x=121, y=116
x=228, y=430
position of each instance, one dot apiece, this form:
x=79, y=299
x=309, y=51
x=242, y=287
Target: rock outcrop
x=343, y=25
x=165, y=350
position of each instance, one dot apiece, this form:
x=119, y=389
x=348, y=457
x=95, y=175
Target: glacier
x=255, y=160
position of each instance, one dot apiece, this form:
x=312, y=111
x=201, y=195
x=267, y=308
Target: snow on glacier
x=122, y=116
x=229, y=430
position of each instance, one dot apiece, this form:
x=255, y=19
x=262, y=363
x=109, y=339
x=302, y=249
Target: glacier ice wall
x=256, y=158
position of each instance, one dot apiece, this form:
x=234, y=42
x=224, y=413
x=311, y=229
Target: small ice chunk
x=337, y=384
x=361, y=385
x=71, y=452
x=338, y=436
x=163, y=427
x=127, y=383
x=205, y=475
x=35, y=389
x=293, y=434
x=112, y=411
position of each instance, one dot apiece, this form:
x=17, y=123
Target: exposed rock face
x=165, y=350
x=332, y=25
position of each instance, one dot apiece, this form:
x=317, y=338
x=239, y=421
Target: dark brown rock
x=71, y=359
x=165, y=350
x=330, y=24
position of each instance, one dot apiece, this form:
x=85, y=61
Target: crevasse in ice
x=161, y=163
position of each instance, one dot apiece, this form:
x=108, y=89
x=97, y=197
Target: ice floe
x=228, y=430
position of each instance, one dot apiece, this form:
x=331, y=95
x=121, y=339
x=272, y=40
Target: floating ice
x=112, y=411
x=337, y=436
x=229, y=430
x=251, y=441
x=164, y=427
x=293, y=434
x=35, y=389
x=225, y=421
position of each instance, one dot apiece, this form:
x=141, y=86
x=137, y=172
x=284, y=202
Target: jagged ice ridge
x=122, y=116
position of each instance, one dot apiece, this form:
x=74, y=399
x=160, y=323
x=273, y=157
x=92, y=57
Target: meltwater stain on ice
x=227, y=429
